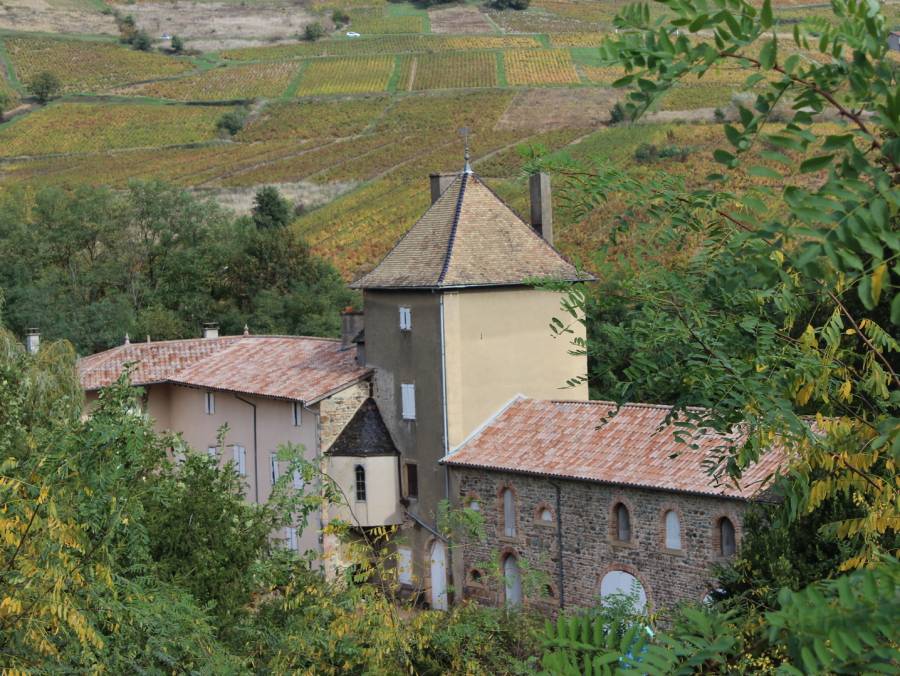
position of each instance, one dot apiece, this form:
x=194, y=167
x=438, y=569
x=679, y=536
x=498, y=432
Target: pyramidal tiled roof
x=468, y=237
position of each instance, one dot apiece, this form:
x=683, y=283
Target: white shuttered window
x=240, y=459
x=408, y=401
x=405, y=319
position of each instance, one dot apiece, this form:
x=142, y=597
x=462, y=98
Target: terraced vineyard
x=252, y=81
x=454, y=70
x=540, y=66
x=351, y=75
x=92, y=127
x=88, y=65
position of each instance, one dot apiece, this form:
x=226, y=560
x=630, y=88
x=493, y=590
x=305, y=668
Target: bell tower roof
x=468, y=238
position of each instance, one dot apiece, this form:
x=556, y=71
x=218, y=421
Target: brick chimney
x=439, y=183
x=210, y=330
x=352, y=323
x=32, y=340
x=541, y=206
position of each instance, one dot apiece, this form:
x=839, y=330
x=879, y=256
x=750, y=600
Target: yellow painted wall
x=499, y=344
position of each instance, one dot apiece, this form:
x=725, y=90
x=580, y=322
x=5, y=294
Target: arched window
x=360, y=483
x=512, y=579
x=509, y=513
x=673, y=530
x=546, y=515
x=618, y=583
x=727, y=544
x=623, y=523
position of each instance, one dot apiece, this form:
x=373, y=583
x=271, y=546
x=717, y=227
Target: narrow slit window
x=210, y=403
x=296, y=413
x=240, y=460
x=673, y=530
x=405, y=319
x=727, y=542
x=623, y=523
x=509, y=513
x=275, y=468
x=408, y=401
x=412, y=481
x=360, y=483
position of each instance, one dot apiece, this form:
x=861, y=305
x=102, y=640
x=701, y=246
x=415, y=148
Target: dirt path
x=412, y=74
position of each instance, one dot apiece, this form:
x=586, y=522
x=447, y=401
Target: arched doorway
x=620, y=582
x=512, y=579
x=438, y=576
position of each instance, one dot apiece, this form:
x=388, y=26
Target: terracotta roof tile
x=287, y=367
x=569, y=439
x=468, y=237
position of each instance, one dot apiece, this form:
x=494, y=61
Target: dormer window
x=405, y=319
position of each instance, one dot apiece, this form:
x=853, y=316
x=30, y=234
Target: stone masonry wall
x=337, y=410
x=590, y=549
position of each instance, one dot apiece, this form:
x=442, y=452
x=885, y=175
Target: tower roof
x=468, y=237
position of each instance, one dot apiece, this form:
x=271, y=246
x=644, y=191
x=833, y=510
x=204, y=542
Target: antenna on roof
x=464, y=132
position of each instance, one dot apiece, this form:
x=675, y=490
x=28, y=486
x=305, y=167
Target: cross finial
x=464, y=132
x=127, y=340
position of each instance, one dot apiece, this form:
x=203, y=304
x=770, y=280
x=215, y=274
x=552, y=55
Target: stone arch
x=633, y=573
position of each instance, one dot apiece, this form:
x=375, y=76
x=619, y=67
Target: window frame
x=667, y=533
x=296, y=414
x=209, y=402
x=359, y=481
x=412, y=480
x=405, y=318
x=720, y=527
x=408, y=401
x=212, y=452
x=620, y=508
x=508, y=509
x=239, y=453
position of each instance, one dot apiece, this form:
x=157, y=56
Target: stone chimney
x=439, y=183
x=352, y=323
x=32, y=340
x=541, y=206
x=210, y=330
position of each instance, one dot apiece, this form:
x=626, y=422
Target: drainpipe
x=255, y=449
x=446, y=438
x=559, y=543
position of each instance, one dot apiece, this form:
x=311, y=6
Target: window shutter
x=274, y=467
x=408, y=401
x=405, y=319
x=240, y=460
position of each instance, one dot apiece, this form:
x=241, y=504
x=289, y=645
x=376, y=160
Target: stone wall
x=590, y=549
x=337, y=410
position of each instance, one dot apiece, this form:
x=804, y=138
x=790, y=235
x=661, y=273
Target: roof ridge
x=453, y=226
x=629, y=404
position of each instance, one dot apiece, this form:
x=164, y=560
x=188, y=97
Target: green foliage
x=177, y=44
x=5, y=101
x=142, y=41
x=340, y=17
x=777, y=308
x=511, y=4
x=270, y=209
x=45, y=86
x=313, y=31
x=617, y=114
x=91, y=265
x=232, y=121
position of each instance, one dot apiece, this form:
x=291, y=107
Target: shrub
x=719, y=115
x=177, y=44
x=511, y=4
x=5, y=100
x=127, y=28
x=232, y=121
x=44, y=86
x=340, y=17
x=617, y=114
x=313, y=32
x=142, y=41
x=270, y=209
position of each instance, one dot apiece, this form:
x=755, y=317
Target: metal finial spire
x=246, y=330
x=464, y=132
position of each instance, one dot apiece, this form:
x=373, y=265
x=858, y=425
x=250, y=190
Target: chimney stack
x=210, y=330
x=352, y=323
x=541, y=206
x=439, y=183
x=32, y=340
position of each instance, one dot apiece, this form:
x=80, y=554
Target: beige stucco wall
x=182, y=409
x=499, y=344
x=381, y=506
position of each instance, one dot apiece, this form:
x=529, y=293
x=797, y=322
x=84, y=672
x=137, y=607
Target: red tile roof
x=634, y=447
x=286, y=367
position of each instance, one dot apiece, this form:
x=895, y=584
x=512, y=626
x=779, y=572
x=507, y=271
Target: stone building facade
x=582, y=534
